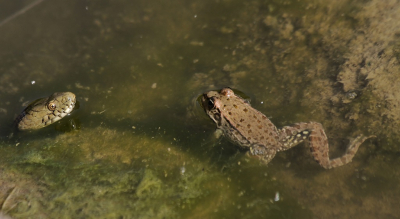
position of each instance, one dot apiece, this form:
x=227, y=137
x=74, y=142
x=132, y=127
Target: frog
x=250, y=129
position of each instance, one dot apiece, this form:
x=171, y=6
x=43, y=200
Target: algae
x=141, y=151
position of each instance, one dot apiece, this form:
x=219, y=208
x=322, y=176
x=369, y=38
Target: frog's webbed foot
x=263, y=153
x=350, y=152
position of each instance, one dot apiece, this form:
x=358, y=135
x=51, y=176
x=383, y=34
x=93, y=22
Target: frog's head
x=212, y=104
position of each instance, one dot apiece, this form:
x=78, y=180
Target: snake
x=45, y=111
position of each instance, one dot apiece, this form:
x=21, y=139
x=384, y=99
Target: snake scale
x=45, y=111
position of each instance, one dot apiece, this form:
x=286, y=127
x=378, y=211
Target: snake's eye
x=51, y=106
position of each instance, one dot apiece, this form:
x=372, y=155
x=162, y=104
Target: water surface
x=142, y=146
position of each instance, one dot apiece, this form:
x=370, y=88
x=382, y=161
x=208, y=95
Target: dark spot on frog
x=248, y=125
x=380, y=53
x=241, y=120
x=234, y=106
x=245, y=110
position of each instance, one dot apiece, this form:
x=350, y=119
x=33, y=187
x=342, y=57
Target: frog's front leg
x=318, y=142
x=265, y=154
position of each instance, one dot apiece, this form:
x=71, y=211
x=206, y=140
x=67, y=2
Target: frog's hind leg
x=290, y=136
x=265, y=154
x=318, y=143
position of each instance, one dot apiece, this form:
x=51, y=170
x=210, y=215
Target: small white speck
x=364, y=178
x=87, y=8
x=262, y=102
x=33, y=82
x=154, y=85
x=276, y=197
x=195, y=16
x=183, y=169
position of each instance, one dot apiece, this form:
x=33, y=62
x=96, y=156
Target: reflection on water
x=142, y=148
x=19, y=12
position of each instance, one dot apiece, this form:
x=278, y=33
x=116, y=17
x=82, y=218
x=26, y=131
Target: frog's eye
x=210, y=103
x=51, y=106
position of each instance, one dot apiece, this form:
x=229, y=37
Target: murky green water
x=142, y=146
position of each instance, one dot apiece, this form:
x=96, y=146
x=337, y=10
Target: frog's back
x=247, y=124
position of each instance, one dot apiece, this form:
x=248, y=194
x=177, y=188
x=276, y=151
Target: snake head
x=45, y=111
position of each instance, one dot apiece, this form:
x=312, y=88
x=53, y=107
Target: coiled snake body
x=45, y=111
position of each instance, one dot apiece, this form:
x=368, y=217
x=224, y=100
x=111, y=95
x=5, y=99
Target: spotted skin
x=251, y=129
x=45, y=111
